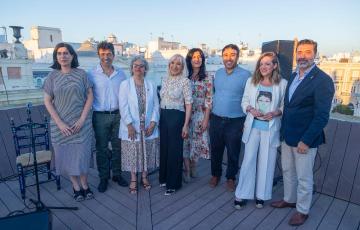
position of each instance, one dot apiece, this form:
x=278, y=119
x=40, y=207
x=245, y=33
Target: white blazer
x=277, y=102
x=129, y=109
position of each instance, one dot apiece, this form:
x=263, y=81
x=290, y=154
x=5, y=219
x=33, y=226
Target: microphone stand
x=38, y=203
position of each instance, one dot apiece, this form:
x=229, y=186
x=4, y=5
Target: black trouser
x=225, y=132
x=171, y=147
x=106, y=128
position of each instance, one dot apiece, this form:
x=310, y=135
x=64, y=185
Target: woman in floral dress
x=198, y=143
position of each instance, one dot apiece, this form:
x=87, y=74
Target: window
x=1, y=77
x=14, y=72
x=51, y=38
x=355, y=75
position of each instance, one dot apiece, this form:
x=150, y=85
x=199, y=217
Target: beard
x=304, y=63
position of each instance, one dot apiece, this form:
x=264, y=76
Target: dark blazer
x=306, y=115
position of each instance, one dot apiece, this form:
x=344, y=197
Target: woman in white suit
x=262, y=101
x=139, y=110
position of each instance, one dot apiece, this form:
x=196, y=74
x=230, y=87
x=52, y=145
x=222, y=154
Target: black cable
x=9, y=178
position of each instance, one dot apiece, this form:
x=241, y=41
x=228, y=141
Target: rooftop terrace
x=336, y=204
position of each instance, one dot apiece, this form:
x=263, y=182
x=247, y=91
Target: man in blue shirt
x=106, y=118
x=307, y=104
x=227, y=118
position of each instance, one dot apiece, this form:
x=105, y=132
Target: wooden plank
x=87, y=215
x=336, y=159
x=333, y=215
x=57, y=224
x=171, y=205
x=114, y=191
x=355, y=193
x=144, y=220
x=284, y=225
x=204, y=211
x=350, y=164
x=10, y=200
x=324, y=152
x=8, y=165
x=351, y=218
x=96, y=205
x=253, y=220
x=198, y=199
x=159, y=203
x=69, y=218
x=317, y=212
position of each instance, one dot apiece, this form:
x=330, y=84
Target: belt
x=227, y=118
x=108, y=112
x=255, y=118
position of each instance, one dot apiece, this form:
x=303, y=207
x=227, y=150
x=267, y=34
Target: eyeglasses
x=138, y=66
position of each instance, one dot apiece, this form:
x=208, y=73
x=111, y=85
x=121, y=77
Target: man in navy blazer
x=307, y=105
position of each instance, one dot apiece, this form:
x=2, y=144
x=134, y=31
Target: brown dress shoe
x=230, y=185
x=214, y=181
x=298, y=219
x=282, y=204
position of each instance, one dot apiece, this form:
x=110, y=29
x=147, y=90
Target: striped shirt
x=69, y=94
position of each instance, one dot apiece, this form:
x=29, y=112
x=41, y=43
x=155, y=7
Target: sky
x=334, y=24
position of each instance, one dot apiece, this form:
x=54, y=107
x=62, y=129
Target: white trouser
x=298, y=176
x=258, y=165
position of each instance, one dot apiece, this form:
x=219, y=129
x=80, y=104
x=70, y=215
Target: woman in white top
x=139, y=110
x=176, y=100
x=263, y=102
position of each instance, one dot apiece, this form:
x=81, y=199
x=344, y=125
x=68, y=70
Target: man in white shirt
x=106, y=117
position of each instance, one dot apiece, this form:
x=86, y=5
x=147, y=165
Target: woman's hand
x=255, y=112
x=149, y=130
x=204, y=125
x=185, y=132
x=270, y=115
x=131, y=132
x=64, y=129
x=77, y=126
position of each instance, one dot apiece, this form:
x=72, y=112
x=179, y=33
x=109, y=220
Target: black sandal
x=88, y=194
x=78, y=195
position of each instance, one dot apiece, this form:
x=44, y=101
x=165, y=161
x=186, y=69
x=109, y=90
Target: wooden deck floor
x=195, y=206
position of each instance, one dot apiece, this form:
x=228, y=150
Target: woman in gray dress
x=139, y=109
x=68, y=99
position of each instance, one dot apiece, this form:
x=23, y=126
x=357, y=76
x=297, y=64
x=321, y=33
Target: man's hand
x=302, y=148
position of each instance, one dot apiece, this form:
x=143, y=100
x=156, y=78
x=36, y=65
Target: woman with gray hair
x=139, y=110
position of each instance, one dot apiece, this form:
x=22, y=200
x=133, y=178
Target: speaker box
x=285, y=51
x=38, y=220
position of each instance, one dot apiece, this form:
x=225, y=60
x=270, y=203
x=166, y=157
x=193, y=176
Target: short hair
x=231, y=46
x=202, y=72
x=182, y=61
x=142, y=59
x=56, y=64
x=275, y=77
x=308, y=42
x=265, y=94
x=106, y=46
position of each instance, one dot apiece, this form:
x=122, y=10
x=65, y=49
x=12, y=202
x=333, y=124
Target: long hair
x=182, y=61
x=275, y=77
x=74, y=62
x=202, y=72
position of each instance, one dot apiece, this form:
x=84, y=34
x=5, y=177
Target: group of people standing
x=197, y=116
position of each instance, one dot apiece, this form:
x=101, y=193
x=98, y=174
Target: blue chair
x=24, y=153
